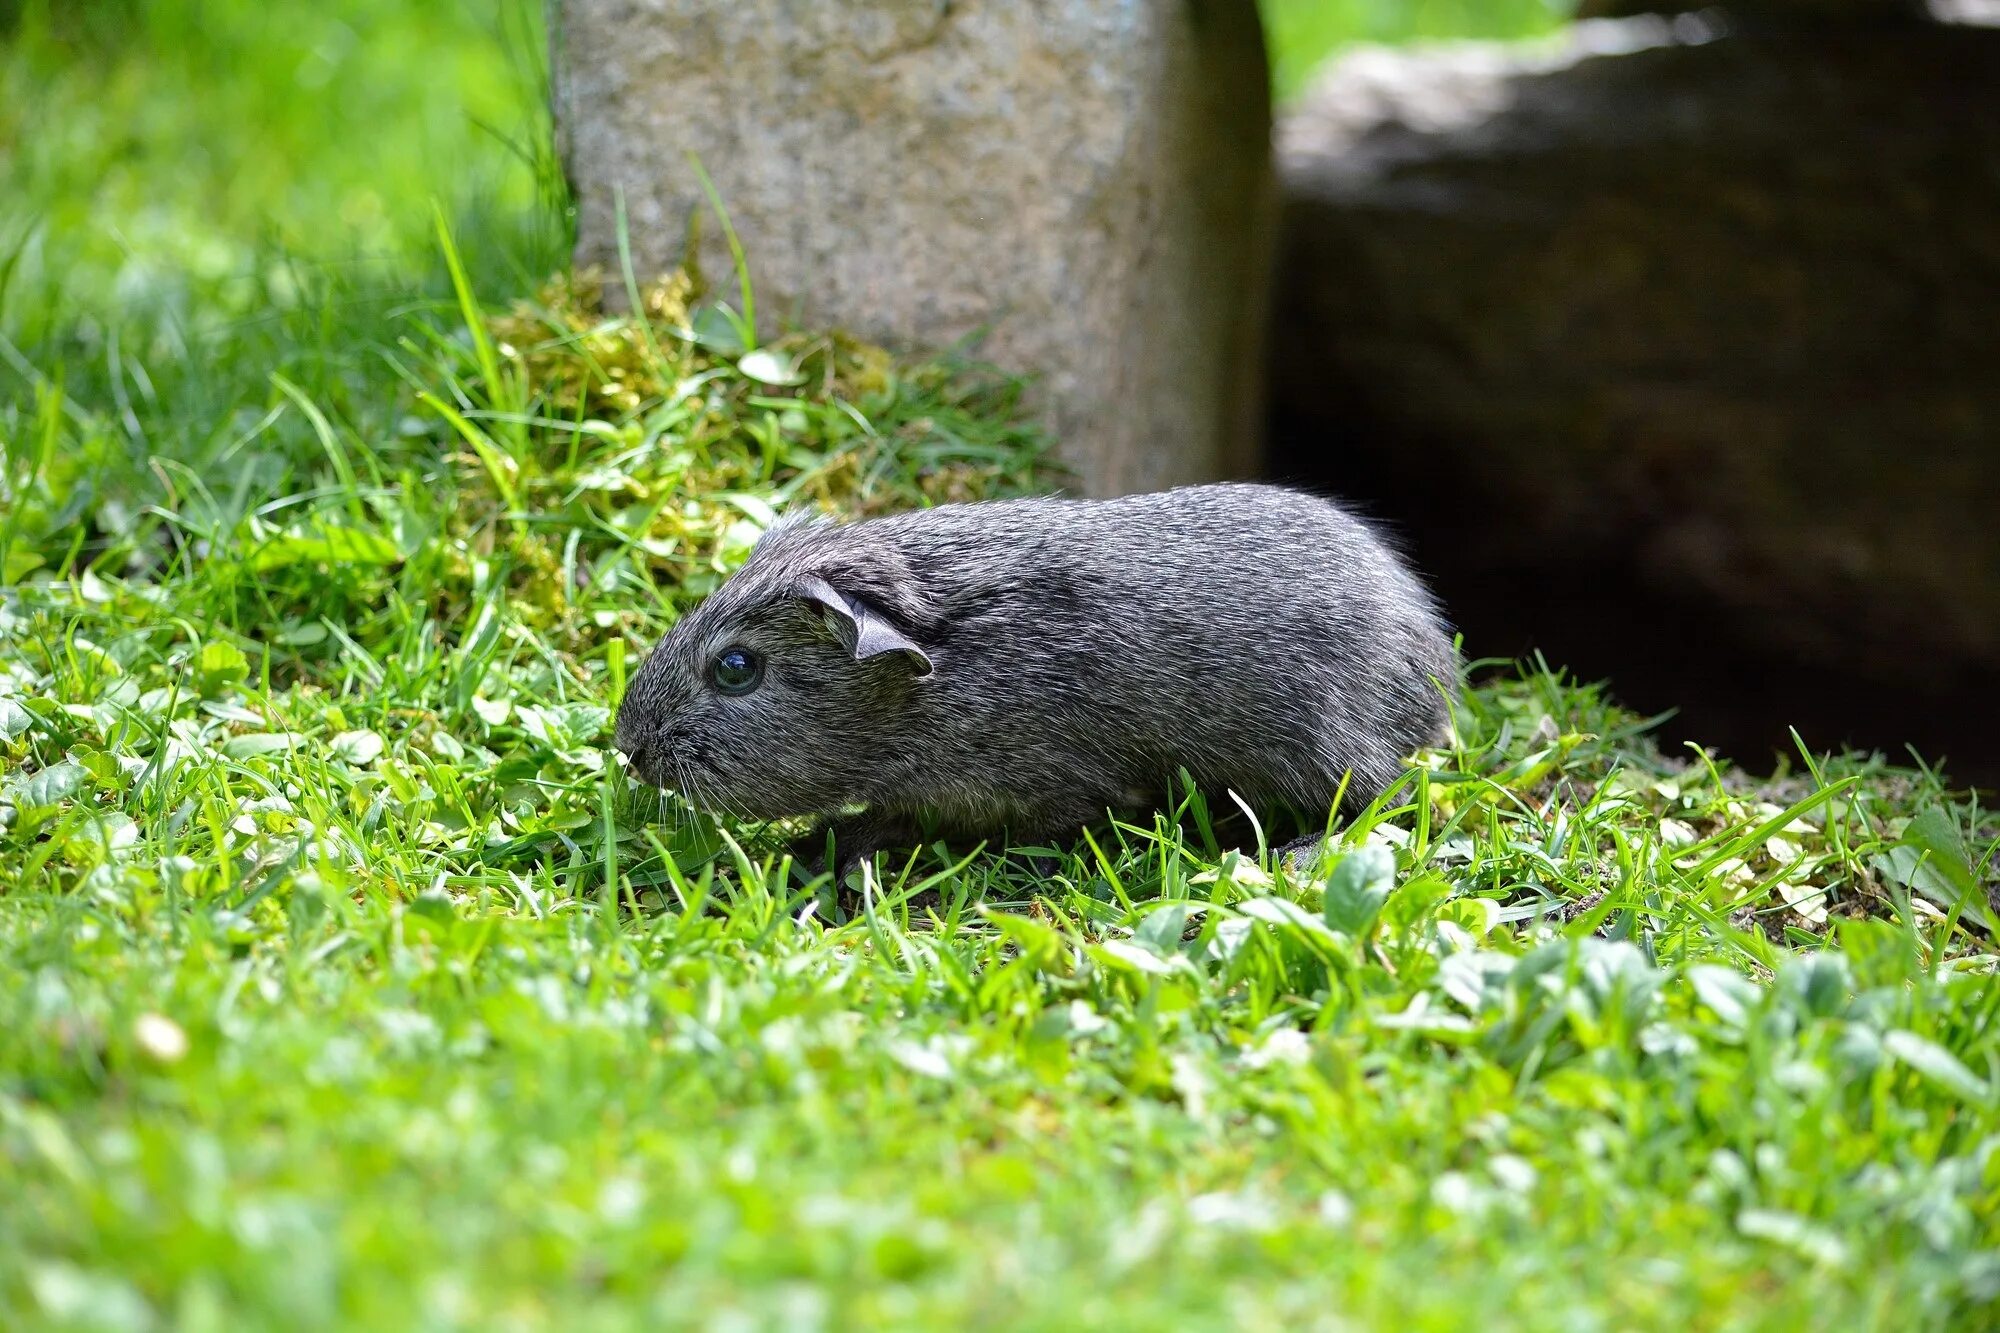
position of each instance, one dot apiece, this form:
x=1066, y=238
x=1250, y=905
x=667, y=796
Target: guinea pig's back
x=1261, y=637
x=1309, y=648
x=1218, y=569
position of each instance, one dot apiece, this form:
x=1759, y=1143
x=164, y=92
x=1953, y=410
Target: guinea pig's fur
x=1023, y=666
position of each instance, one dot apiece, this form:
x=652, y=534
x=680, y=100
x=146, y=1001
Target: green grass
x=1304, y=32
x=344, y=984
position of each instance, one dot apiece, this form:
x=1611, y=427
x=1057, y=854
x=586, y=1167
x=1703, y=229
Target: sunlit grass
x=352, y=980
x=1302, y=33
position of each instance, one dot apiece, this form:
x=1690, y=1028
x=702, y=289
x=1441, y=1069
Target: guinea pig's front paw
x=856, y=838
x=842, y=845
x=808, y=855
x=1301, y=857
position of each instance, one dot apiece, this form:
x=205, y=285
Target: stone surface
x=1674, y=355
x=1087, y=182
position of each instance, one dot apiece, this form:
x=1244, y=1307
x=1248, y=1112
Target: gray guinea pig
x=1023, y=666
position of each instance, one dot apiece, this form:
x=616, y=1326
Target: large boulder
x=1674, y=352
x=1085, y=183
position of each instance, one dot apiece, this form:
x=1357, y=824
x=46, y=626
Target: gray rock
x=1690, y=330
x=1087, y=182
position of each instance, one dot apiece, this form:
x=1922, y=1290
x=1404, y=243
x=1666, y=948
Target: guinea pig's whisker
x=687, y=784
x=735, y=811
x=700, y=793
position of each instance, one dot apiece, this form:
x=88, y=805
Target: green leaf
x=1816, y=985
x=564, y=726
x=493, y=712
x=359, y=748
x=1932, y=860
x=1730, y=996
x=217, y=667
x=433, y=906
x=57, y=782
x=770, y=367
x=14, y=720
x=715, y=327
x=1286, y=913
x=1478, y=916
x=102, y=767
x=18, y=565
x=1858, y=1050
x=1412, y=902
x=1938, y=1065
x=109, y=832
x=1360, y=884
x=1161, y=930
x=1477, y=980
x=253, y=743
x=1120, y=954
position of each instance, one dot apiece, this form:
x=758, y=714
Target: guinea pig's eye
x=737, y=671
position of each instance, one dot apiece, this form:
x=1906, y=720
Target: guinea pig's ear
x=872, y=632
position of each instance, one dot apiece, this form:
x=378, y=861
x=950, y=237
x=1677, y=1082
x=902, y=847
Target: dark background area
x=1670, y=357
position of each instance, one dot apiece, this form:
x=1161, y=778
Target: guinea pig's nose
x=639, y=756
x=641, y=760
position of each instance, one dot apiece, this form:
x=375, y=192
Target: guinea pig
x=1023, y=667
